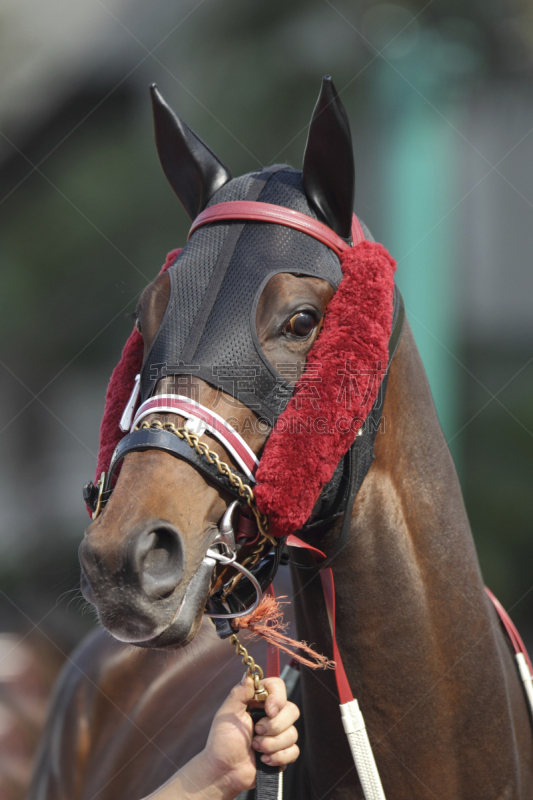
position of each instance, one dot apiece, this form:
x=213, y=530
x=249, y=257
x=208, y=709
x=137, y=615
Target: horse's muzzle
x=136, y=589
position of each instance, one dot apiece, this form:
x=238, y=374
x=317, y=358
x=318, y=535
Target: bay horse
x=421, y=643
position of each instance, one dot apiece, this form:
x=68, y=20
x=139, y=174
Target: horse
x=421, y=643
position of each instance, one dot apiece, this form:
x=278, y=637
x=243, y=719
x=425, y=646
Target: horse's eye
x=302, y=324
x=136, y=317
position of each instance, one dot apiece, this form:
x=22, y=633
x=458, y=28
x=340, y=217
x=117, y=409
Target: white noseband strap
x=199, y=419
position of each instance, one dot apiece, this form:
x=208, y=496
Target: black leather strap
x=353, y=483
x=398, y=318
x=344, y=533
x=268, y=778
x=157, y=439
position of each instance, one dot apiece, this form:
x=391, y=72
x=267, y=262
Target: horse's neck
x=420, y=645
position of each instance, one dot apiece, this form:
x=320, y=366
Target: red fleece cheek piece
x=120, y=388
x=337, y=390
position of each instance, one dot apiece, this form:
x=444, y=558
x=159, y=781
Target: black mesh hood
x=215, y=283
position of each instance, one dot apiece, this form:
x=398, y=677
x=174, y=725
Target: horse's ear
x=328, y=168
x=192, y=169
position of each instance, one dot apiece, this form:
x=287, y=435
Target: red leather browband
x=268, y=212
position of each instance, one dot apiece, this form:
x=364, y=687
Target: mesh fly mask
x=209, y=328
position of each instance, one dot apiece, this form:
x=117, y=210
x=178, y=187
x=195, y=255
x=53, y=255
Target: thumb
x=239, y=697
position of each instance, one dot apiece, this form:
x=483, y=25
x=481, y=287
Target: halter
x=184, y=443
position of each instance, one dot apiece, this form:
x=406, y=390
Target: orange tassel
x=267, y=621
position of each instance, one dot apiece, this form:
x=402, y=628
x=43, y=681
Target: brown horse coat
x=423, y=649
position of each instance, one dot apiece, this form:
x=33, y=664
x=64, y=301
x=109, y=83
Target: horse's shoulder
x=123, y=719
x=66, y=741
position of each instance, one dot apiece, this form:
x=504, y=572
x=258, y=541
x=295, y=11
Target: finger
x=238, y=698
x=272, y=744
x=286, y=717
x=277, y=696
x=283, y=757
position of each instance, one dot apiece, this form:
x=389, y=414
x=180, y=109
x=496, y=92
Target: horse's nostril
x=160, y=560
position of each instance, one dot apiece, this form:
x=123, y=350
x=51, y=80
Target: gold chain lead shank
x=252, y=669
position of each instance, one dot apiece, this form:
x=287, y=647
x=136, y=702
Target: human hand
x=226, y=766
x=232, y=740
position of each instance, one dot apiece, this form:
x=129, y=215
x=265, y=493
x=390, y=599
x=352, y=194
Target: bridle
x=261, y=551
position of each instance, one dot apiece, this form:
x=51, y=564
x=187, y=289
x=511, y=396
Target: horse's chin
x=182, y=629
x=177, y=635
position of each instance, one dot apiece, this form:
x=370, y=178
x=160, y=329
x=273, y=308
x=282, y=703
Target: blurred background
x=440, y=98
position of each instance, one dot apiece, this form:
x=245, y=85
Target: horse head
x=227, y=326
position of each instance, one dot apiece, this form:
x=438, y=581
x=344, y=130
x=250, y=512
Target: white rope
x=525, y=674
x=354, y=726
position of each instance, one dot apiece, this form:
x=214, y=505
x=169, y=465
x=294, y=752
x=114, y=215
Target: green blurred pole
x=420, y=228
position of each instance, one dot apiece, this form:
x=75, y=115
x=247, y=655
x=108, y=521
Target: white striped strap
x=202, y=418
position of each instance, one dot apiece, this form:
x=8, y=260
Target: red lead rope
x=328, y=586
